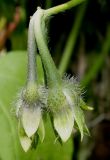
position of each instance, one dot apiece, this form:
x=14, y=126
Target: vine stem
x=62, y=7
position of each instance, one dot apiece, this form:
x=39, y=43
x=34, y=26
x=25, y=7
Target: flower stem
x=62, y=7
x=53, y=77
x=31, y=54
x=40, y=16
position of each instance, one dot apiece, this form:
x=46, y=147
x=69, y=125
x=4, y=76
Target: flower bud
x=65, y=107
x=63, y=119
x=30, y=118
x=31, y=102
x=63, y=123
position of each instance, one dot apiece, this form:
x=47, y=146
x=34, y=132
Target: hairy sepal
x=78, y=114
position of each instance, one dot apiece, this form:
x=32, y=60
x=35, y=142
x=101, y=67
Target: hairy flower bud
x=64, y=104
x=64, y=96
x=63, y=119
x=31, y=102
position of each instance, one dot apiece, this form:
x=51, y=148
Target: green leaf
x=10, y=70
x=12, y=79
x=13, y=69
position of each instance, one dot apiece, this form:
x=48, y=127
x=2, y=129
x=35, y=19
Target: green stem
x=31, y=54
x=71, y=41
x=53, y=77
x=62, y=7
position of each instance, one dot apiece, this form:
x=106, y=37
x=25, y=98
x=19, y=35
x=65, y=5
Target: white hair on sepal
x=43, y=92
x=15, y=104
x=20, y=101
x=72, y=84
x=70, y=79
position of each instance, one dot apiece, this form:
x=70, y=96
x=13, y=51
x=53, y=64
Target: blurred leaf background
x=79, y=41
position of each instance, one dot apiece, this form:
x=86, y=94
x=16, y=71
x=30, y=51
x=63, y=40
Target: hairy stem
x=53, y=77
x=62, y=7
x=31, y=54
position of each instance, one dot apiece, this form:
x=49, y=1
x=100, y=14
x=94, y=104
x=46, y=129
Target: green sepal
x=79, y=118
x=41, y=130
x=84, y=106
x=35, y=139
x=25, y=141
x=30, y=93
x=86, y=130
x=55, y=132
